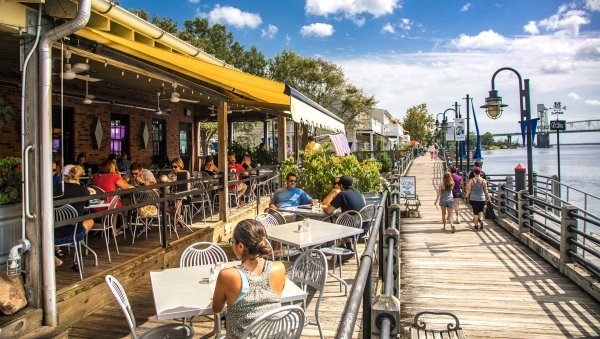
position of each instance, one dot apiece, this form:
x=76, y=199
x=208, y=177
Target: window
x=185, y=140
x=158, y=138
x=118, y=134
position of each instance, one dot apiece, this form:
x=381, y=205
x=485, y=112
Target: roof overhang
x=308, y=112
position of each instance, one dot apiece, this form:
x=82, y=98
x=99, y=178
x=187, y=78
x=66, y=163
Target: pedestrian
x=456, y=191
x=478, y=164
x=431, y=151
x=446, y=200
x=477, y=193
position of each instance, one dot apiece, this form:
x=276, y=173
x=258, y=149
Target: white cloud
x=406, y=24
x=592, y=102
x=593, y=5
x=555, y=67
x=317, y=29
x=388, y=28
x=350, y=8
x=566, y=21
x=233, y=16
x=288, y=40
x=194, y=1
x=485, y=39
x=574, y=96
x=531, y=28
x=465, y=7
x=269, y=32
x=359, y=21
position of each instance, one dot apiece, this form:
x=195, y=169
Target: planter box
x=10, y=230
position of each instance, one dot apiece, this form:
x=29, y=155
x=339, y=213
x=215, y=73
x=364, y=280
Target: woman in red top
x=108, y=179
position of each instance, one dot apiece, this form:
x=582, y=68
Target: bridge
x=572, y=127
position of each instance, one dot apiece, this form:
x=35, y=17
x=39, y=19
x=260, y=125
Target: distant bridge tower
x=543, y=132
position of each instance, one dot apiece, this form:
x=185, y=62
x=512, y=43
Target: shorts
x=457, y=194
x=447, y=203
x=477, y=206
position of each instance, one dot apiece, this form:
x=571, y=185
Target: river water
x=579, y=168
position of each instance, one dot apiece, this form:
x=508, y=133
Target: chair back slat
x=367, y=213
x=65, y=212
x=350, y=218
x=117, y=290
x=283, y=323
x=202, y=253
x=280, y=218
x=267, y=220
x=310, y=268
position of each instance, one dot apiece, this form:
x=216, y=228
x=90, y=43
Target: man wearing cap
x=343, y=196
x=480, y=165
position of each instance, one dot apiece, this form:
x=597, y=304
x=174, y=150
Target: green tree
x=419, y=124
x=487, y=139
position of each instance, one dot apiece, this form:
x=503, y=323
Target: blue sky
x=433, y=51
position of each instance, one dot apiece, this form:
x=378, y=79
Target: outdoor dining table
x=313, y=212
x=186, y=292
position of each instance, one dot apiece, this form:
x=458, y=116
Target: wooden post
x=282, y=142
x=222, y=153
x=266, y=133
x=304, y=136
x=566, y=234
x=230, y=137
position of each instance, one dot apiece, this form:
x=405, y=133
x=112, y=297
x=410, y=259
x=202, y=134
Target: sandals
x=59, y=253
x=75, y=267
x=452, y=226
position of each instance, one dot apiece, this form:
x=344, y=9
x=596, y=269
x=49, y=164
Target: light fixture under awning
x=308, y=112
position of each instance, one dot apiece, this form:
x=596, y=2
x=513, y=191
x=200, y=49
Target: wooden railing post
x=565, y=234
x=522, y=202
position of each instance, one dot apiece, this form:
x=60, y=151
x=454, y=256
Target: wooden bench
x=419, y=330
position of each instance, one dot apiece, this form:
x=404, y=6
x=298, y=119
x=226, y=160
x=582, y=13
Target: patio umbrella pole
x=47, y=205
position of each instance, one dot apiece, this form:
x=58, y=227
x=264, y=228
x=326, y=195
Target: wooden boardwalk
x=496, y=286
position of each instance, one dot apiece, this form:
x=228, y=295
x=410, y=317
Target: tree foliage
x=419, y=123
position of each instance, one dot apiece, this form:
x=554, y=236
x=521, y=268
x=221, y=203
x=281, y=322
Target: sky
x=408, y=52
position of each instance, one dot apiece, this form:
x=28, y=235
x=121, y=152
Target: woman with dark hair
x=456, y=191
x=109, y=180
x=478, y=194
x=209, y=166
x=252, y=288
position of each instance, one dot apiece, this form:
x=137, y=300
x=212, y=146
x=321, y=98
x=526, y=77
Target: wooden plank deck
x=496, y=286
x=109, y=321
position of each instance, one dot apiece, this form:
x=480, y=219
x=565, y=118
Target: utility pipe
x=45, y=154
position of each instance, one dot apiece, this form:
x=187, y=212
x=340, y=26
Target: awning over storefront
x=308, y=112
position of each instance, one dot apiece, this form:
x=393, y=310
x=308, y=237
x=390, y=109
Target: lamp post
x=493, y=108
x=443, y=126
x=456, y=116
x=558, y=125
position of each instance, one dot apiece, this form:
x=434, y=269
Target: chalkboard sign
x=408, y=187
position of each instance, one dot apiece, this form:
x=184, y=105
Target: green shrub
x=10, y=180
x=386, y=163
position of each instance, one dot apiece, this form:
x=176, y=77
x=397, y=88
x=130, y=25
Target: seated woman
x=108, y=179
x=72, y=189
x=209, y=166
x=177, y=169
x=252, y=288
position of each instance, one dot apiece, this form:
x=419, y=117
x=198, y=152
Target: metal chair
x=164, y=331
x=280, y=218
x=66, y=212
x=200, y=201
x=149, y=196
x=351, y=219
x=285, y=322
x=108, y=225
x=310, y=269
x=269, y=220
x=202, y=253
x=368, y=214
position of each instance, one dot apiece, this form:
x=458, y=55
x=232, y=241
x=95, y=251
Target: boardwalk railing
x=380, y=313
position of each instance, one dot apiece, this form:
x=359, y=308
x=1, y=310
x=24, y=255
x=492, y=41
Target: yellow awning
x=234, y=82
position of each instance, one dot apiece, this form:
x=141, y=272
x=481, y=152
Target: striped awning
x=340, y=144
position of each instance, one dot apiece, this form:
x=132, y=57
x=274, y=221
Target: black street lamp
x=493, y=108
x=443, y=126
x=456, y=116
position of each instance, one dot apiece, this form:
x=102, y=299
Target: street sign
x=460, y=129
x=558, y=125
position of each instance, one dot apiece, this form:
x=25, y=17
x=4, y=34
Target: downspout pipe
x=45, y=155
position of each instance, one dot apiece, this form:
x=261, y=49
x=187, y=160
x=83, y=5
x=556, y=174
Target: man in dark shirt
x=344, y=196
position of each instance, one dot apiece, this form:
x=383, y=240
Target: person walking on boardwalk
x=446, y=200
x=431, y=151
x=477, y=193
x=456, y=191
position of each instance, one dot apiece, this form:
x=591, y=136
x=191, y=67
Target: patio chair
x=420, y=329
x=269, y=220
x=310, y=269
x=202, y=253
x=146, y=215
x=351, y=219
x=107, y=226
x=368, y=214
x=200, y=201
x=280, y=218
x=165, y=331
x=285, y=322
x=66, y=212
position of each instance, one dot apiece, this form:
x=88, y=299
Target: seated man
x=291, y=195
x=139, y=176
x=238, y=170
x=344, y=196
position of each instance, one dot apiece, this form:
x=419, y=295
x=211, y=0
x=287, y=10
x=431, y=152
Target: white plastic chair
x=107, y=226
x=202, y=253
x=66, y=212
x=165, y=331
x=310, y=269
x=286, y=322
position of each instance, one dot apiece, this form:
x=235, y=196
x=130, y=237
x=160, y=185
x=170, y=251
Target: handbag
x=489, y=211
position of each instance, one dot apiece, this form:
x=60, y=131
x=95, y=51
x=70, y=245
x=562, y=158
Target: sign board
x=408, y=187
x=558, y=125
x=450, y=132
x=460, y=129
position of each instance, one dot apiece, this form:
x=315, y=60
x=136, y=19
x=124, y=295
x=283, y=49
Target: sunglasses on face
x=232, y=241
x=135, y=173
x=292, y=181
x=174, y=166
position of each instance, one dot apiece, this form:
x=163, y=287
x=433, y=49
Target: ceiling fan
x=176, y=97
x=159, y=111
x=71, y=71
x=90, y=99
x=213, y=110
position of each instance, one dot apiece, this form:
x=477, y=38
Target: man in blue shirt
x=291, y=195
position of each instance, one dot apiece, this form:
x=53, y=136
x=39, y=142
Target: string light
x=123, y=73
x=149, y=79
x=137, y=76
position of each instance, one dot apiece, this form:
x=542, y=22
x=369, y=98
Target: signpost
x=558, y=125
x=408, y=187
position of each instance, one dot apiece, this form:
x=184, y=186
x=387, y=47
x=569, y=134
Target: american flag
x=340, y=144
